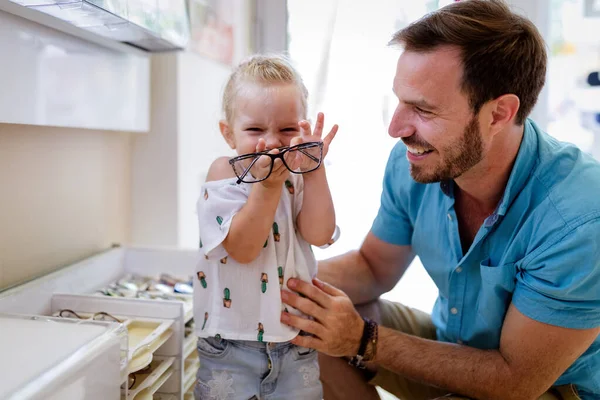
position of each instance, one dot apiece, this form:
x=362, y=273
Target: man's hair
x=501, y=52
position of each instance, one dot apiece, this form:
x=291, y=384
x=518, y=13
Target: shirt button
x=458, y=270
x=449, y=217
x=454, y=310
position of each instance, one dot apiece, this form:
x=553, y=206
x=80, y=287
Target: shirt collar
x=527, y=158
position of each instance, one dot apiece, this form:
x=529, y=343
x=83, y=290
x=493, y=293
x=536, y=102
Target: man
x=505, y=219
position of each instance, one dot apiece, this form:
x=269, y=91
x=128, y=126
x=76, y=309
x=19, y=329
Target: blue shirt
x=539, y=250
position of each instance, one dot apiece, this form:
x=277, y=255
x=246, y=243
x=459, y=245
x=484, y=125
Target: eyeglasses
x=256, y=167
x=99, y=316
x=165, y=287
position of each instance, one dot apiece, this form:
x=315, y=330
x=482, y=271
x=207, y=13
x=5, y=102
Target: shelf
x=148, y=393
x=140, y=361
x=189, y=345
x=149, y=381
x=189, y=377
x=166, y=396
x=145, y=336
x=38, y=351
x=192, y=358
x=189, y=313
x=191, y=363
x=189, y=385
x=153, y=327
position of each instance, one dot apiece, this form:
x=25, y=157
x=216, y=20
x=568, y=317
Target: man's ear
x=227, y=133
x=504, y=112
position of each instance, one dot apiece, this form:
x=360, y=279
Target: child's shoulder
x=219, y=170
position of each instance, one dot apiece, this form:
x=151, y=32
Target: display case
x=57, y=358
x=159, y=359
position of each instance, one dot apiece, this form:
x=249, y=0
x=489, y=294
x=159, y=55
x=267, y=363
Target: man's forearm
x=481, y=374
x=350, y=273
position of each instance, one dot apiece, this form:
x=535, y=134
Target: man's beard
x=457, y=158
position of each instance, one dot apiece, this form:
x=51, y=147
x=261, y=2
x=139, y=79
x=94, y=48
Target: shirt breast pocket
x=497, y=286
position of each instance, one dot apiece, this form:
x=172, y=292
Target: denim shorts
x=243, y=370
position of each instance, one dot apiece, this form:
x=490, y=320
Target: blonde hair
x=263, y=69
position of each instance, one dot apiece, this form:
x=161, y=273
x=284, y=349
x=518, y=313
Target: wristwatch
x=368, y=341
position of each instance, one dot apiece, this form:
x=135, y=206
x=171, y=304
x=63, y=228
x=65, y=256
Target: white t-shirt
x=243, y=301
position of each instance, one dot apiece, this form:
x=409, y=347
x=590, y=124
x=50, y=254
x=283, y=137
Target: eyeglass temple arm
x=315, y=159
x=247, y=170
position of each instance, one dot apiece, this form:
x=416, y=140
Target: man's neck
x=485, y=183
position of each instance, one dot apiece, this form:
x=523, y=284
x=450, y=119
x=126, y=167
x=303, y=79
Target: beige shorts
x=414, y=322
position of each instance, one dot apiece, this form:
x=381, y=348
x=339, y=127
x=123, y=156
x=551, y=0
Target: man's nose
x=400, y=126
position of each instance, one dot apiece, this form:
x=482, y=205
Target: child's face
x=270, y=112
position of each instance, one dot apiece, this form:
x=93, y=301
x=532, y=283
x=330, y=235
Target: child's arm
x=250, y=227
x=316, y=220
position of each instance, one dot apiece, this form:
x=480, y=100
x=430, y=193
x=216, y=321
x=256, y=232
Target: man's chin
x=421, y=176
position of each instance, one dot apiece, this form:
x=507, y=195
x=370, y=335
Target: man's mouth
x=418, y=151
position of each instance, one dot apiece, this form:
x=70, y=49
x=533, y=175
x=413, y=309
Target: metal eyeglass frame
x=282, y=150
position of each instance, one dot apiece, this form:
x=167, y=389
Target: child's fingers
x=319, y=124
x=295, y=160
x=331, y=135
x=297, y=140
x=261, y=145
x=278, y=168
x=263, y=162
x=304, y=128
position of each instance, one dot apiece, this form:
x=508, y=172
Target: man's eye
x=421, y=111
x=253, y=129
x=290, y=130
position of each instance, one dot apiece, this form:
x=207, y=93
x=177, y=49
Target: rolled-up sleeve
x=561, y=285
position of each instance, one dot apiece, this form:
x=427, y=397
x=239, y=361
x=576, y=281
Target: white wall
x=170, y=163
x=64, y=192
x=68, y=193
x=64, y=195
x=200, y=142
x=154, y=161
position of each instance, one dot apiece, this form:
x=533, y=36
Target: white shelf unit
x=53, y=358
x=73, y=288
x=162, y=369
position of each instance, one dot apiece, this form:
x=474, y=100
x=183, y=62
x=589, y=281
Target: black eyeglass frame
x=105, y=316
x=282, y=150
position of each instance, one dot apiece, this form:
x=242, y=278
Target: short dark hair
x=502, y=52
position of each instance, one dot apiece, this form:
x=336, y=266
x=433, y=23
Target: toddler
x=259, y=214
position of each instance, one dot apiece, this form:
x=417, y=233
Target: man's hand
x=337, y=326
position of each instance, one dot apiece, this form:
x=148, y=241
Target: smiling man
x=505, y=219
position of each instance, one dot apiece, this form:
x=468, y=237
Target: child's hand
x=315, y=136
x=279, y=173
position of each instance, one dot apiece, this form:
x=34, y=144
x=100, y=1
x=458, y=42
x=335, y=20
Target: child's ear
x=227, y=133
